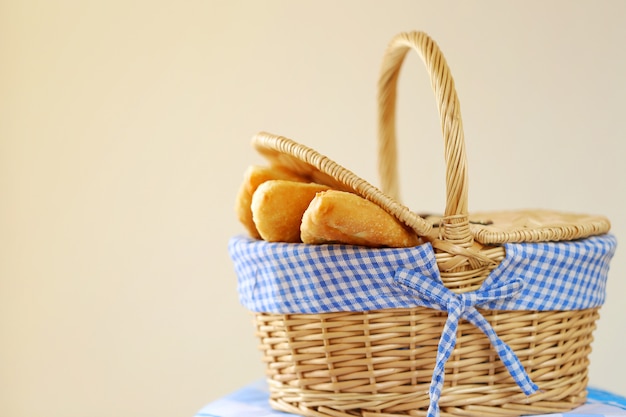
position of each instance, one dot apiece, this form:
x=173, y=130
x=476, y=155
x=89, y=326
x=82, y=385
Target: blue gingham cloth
x=252, y=400
x=297, y=278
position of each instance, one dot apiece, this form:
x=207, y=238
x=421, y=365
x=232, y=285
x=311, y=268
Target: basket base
x=380, y=363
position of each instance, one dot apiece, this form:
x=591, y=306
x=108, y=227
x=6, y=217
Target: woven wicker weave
x=380, y=363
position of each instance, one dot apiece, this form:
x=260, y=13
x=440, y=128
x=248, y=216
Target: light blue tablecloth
x=252, y=401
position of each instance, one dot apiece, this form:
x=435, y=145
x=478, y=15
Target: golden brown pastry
x=253, y=177
x=342, y=217
x=277, y=208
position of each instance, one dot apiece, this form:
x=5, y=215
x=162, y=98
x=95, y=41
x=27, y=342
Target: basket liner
x=296, y=278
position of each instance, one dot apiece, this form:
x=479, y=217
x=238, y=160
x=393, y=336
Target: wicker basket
x=381, y=362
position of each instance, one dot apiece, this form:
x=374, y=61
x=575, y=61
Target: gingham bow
x=463, y=305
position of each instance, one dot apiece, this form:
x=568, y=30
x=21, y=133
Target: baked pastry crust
x=277, y=208
x=341, y=217
x=254, y=176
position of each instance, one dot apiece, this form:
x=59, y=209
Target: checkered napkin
x=297, y=278
x=252, y=401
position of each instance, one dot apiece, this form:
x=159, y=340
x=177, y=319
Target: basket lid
x=486, y=227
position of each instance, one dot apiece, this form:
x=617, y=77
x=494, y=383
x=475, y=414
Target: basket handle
x=455, y=223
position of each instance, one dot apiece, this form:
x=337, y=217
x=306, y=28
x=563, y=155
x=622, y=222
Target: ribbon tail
x=446, y=345
x=506, y=354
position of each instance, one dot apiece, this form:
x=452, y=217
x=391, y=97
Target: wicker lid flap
x=307, y=162
x=486, y=228
x=535, y=226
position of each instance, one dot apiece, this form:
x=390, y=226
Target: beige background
x=124, y=132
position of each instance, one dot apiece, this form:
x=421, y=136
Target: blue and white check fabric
x=252, y=400
x=296, y=278
x=463, y=305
